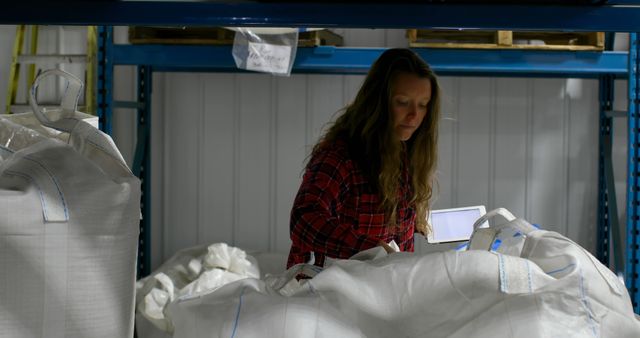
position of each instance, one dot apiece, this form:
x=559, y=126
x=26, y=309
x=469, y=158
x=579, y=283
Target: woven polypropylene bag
x=69, y=223
x=551, y=288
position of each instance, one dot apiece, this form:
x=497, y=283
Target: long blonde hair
x=367, y=126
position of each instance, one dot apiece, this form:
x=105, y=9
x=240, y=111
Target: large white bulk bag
x=69, y=224
x=190, y=271
x=536, y=284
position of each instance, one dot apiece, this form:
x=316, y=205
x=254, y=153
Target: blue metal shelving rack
x=607, y=16
x=632, y=264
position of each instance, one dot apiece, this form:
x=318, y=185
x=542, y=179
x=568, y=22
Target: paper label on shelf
x=265, y=57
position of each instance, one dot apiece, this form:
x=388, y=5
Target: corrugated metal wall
x=234, y=148
x=228, y=150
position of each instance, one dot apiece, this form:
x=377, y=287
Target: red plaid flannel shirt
x=336, y=214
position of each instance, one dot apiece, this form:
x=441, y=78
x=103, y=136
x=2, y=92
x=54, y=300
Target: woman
x=369, y=179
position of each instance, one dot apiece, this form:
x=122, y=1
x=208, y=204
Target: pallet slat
x=217, y=36
x=575, y=41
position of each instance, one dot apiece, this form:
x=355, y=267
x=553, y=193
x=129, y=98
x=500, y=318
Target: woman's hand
x=386, y=246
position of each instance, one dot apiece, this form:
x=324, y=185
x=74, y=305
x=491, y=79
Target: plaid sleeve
x=315, y=225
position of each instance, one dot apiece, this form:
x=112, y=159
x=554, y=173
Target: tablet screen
x=451, y=225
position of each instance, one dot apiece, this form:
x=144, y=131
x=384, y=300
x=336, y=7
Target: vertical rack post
x=633, y=187
x=105, y=78
x=142, y=168
x=604, y=189
x=609, y=239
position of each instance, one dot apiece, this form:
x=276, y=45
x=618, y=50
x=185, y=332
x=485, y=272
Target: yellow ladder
x=33, y=58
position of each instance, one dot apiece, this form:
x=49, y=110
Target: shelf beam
x=606, y=17
x=339, y=60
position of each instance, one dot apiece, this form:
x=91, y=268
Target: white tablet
x=454, y=225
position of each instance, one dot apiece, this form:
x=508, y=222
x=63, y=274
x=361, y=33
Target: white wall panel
x=473, y=154
x=252, y=162
x=363, y=37
x=290, y=151
x=159, y=181
x=324, y=100
x=351, y=85
x=396, y=38
x=445, y=192
x=503, y=142
x=69, y=37
x=182, y=116
x=582, y=208
x=216, y=172
x=547, y=167
x=511, y=135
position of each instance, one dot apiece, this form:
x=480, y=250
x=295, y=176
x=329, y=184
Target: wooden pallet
x=217, y=36
x=593, y=41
